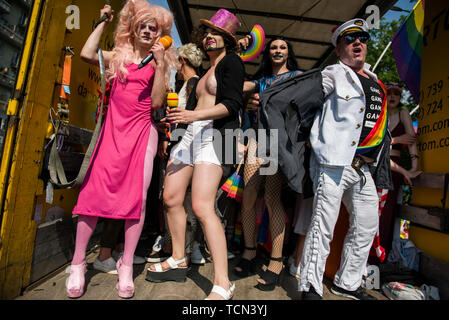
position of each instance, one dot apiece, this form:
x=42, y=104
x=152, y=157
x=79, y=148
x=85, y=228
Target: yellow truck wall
x=433, y=123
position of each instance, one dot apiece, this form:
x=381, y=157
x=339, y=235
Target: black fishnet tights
x=273, y=187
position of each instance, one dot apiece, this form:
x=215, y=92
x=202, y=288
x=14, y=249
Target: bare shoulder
x=405, y=114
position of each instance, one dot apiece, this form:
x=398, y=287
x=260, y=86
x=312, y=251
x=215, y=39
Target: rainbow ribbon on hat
x=377, y=133
x=257, y=44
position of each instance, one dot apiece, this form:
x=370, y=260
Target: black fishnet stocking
x=273, y=188
x=253, y=181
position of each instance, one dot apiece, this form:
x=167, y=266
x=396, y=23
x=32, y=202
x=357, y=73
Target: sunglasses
x=350, y=38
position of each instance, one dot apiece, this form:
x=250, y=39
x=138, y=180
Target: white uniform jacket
x=336, y=130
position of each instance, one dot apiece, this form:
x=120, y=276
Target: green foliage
x=386, y=70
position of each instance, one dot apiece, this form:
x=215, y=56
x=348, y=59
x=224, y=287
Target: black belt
x=357, y=164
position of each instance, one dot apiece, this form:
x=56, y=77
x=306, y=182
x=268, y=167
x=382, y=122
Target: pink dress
x=119, y=173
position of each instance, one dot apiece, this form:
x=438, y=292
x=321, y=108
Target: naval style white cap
x=351, y=26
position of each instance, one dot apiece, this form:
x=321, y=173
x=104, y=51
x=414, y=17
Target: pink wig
x=135, y=12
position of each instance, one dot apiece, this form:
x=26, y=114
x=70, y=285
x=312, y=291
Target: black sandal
x=248, y=266
x=271, y=279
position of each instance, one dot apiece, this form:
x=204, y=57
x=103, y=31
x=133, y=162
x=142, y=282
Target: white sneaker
x=196, y=257
x=294, y=270
x=158, y=243
x=137, y=259
x=107, y=266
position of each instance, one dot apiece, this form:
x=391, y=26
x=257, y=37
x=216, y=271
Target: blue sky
x=176, y=41
x=403, y=4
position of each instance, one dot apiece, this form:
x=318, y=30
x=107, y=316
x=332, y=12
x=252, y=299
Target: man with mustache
x=350, y=158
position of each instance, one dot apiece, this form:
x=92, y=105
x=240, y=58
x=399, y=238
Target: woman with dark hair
x=278, y=64
x=266, y=66
x=215, y=103
x=403, y=136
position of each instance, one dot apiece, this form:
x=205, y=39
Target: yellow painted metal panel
x=433, y=243
x=18, y=229
x=433, y=133
x=13, y=107
x=85, y=82
x=10, y=288
x=13, y=103
x=63, y=202
x=433, y=138
x=425, y=197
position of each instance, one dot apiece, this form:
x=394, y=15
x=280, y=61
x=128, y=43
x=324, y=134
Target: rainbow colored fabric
x=377, y=134
x=234, y=187
x=258, y=43
x=407, y=49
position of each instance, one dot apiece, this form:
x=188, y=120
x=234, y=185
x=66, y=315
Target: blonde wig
x=133, y=13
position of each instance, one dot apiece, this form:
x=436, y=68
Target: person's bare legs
x=177, y=179
x=205, y=181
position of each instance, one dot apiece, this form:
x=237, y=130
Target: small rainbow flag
x=257, y=44
x=407, y=49
x=234, y=187
x=377, y=134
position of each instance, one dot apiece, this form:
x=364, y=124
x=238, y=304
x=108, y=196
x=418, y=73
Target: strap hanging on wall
x=57, y=174
x=55, y=167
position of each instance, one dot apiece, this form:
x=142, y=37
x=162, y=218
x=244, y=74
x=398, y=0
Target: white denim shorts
x=196, y=144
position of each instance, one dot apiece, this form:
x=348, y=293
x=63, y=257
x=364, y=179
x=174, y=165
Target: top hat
x=223, y=21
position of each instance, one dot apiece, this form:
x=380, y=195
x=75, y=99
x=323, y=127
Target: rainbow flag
x=407, y=49
x=377, y=134
x=234, y=187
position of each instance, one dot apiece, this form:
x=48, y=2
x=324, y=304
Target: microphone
x=172, y=101
x=166, y=42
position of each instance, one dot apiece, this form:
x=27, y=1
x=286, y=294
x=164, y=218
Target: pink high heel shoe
x=75, y=282
x=127, y=291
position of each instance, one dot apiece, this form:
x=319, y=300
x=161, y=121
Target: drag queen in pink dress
x=116, y=183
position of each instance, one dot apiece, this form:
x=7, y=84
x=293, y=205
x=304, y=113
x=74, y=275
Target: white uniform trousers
x=333, y=185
